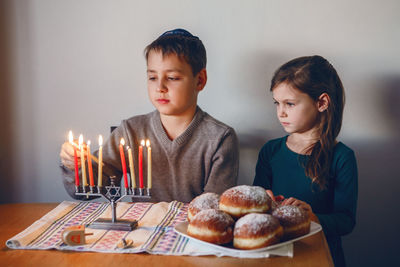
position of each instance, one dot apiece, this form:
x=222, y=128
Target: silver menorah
x=113, y=194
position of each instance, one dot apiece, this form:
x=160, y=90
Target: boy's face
x=171, y=85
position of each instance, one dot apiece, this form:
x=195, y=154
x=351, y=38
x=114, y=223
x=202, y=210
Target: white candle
x=100, y=169
x=149, y=181
x=131, y=167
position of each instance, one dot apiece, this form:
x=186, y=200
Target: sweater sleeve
x=225, y=164
x=343, y=218
x=263, y=169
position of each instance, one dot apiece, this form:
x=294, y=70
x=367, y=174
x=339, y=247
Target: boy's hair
x=314, y=75
x=184, y=45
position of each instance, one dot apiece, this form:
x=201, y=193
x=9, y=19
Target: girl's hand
x=270, y=194
x=277, y=199
x=301, y=204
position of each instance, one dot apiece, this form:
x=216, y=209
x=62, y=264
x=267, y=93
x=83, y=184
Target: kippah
x=178, y=31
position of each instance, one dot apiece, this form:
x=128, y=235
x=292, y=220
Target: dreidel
x=75, y=235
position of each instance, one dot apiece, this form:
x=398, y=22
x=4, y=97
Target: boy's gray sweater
x=204, y=158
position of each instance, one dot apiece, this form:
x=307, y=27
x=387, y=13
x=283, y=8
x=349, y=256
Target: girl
x=308, y=166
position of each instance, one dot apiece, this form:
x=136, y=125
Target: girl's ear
x=323, y=102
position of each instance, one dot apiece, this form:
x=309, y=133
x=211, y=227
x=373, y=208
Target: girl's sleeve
x=263, y=169
x=343, y=218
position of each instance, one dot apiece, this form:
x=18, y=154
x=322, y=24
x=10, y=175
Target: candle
x=94, y=158
x=71, y=141
x=100, y=170
x=149, y=182
x=131, y=167
x=83, y=167
x=90, y=168
x=122, y=154
x=141, y=164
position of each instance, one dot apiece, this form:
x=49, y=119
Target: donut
x=295, y=221
x=203, y=202
x=212, y=226
x=256, y=230
x=244, y=199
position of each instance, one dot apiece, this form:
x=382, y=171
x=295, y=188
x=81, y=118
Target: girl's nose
x=281, y=112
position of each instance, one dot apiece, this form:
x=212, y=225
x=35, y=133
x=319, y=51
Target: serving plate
x=181, y=228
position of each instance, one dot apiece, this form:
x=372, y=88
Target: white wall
x=79, y=65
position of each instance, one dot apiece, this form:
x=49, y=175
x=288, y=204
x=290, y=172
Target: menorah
x=113, y=194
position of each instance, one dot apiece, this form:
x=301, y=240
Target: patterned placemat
x=155, y=233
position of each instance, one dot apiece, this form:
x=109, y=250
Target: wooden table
x=311, y=251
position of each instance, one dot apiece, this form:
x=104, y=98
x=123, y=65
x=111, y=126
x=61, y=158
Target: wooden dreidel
x=74, y=235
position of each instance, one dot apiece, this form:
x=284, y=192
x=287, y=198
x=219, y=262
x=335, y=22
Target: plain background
x=79, y=65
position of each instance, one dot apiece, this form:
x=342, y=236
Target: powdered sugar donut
x=256, y=230
x=203, y=202
x=244, y=199
x=295, y=221
x=212, y=226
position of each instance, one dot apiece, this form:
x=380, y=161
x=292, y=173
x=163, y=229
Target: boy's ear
x=201, y=79
x=323, y=102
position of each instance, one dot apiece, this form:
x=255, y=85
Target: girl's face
x=296, y=111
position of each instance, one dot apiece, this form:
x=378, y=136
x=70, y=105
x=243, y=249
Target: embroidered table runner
x=155, y=233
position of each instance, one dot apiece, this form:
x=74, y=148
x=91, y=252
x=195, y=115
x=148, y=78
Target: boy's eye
x=276, y=103
x=290, y=104
x=151, y=78
x=173, y=78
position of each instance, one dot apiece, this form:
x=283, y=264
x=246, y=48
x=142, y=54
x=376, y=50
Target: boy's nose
x=161, y=88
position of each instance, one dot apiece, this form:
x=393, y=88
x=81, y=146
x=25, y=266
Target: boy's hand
x=67, y=156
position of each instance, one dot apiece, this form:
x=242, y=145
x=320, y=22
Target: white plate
x=181, y=228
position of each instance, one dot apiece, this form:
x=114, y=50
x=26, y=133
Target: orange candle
x=100, y=169
x=141, y=164
x=83, y=165
x=71, y=141
x=149, y=182
x=90, y=168
x=122, y=154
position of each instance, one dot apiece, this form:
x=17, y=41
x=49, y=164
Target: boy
x=192, y=152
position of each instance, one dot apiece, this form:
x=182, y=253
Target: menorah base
x=108, y=224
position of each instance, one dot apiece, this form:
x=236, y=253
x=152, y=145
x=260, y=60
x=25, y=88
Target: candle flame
x=122, y=142
x=127, y=147
x=80, y=140
x=147, y=142
x=100, y=140
x=142, y=142
x=88, y=143
x=70, y=137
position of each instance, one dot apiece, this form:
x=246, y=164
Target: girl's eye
x=276, y=103
x=151, y=78
x=290, y=104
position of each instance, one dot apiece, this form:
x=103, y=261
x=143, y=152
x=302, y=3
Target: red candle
x=71, y=141
x=89, y=158
x=122, y=154
x=76, y=168
x=141, y=164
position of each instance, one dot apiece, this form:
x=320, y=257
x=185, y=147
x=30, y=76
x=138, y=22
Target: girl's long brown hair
x=314, y=75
